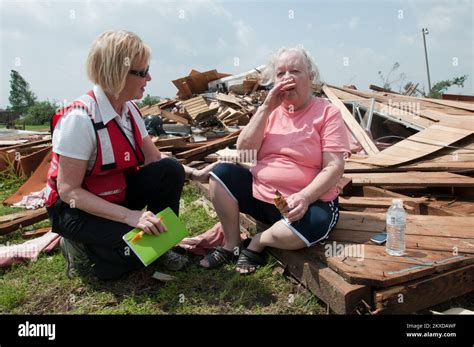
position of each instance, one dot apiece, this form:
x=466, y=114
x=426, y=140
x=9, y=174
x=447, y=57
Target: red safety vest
x=115, y=154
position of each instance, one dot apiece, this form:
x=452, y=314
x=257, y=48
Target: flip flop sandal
x=219, y=257
x=250, y=261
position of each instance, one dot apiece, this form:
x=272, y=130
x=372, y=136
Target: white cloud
x=444, y=17
x=244, y=33
x=354, y=23
x=53, y=47
x=439, y=17
x=221, y=43
x=407, y=39
x=183, y=46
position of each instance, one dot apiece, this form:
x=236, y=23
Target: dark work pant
x=157, y=186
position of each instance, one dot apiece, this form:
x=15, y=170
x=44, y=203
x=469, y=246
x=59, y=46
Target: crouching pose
x=105, y=169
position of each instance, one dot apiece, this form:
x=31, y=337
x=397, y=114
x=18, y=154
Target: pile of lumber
x=23, y=156
x=208, y=112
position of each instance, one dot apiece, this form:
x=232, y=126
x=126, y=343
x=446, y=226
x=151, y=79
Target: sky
x=48, y=41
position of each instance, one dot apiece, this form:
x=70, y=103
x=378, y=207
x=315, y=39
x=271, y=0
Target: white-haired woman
x=300, y=141
x=105, y=168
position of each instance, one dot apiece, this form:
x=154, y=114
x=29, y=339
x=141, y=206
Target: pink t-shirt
x=291, y=155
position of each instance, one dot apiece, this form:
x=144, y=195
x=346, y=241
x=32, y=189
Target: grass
x=42, y=287
x=40, y=127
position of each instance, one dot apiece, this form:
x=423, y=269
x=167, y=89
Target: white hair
x=269, y=73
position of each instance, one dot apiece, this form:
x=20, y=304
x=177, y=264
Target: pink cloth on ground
x=205, y=242
x=28, y=250
x=291, y=154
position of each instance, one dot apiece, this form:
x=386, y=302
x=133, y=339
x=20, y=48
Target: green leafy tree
x=442, y=86
x=40, y=113
x=149, y=100
x=21, y=97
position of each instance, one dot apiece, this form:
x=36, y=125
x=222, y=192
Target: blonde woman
x=105, y=168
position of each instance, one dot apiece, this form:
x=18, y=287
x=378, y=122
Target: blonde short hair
x=111, y=57
x=269, y=73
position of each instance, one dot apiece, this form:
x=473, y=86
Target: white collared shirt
x=74, y=135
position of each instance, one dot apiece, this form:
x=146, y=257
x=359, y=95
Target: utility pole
x=425, y=32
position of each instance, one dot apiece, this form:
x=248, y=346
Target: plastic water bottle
x=396, y=224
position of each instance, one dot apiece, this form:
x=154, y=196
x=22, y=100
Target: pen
x=139, y=235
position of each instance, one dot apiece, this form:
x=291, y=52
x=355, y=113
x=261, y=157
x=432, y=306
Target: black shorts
x=320, y=218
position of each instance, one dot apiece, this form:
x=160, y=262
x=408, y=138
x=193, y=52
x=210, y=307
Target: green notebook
x=150, y=247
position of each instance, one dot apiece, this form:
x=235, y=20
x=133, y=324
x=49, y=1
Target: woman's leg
x=314, y=227
x=277, y=236
x=101, y=239
x=157, y=185
x=230, y=188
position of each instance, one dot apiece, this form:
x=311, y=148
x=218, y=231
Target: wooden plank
x=449, y=116
x=411, y=205
x=150, y=110
x=30, y=217
x=413, y=99
x=425, y=292
x=14, y=216
x=174, y=117
x=351, y=123
x=459, y=157
x=5, y=143
x=230, y=99
x=417, y=225
x=411, y=179
x=36, y=232
x=376, y=268
x=197, y=108
x=443, y=164
x=450, y=103
x=213, y=146
x=454, y=206
x=327, y=285
x=423, y=143
x=29, y=163
x=196, y=82
x=442, y=260
x=394, y=114
x=418, y=208
x=170, y=141
x=380, y=192
x=35, y=183
x=25, y=145
x=429, y=242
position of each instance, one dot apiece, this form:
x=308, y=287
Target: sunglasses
x=140, y=73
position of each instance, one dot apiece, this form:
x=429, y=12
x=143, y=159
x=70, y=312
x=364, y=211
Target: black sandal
x=249, y=260
x=219, y=257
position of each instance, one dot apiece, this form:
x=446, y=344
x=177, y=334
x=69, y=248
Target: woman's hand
x=298, y=205
x=145, y=221
x=274, y=97
x=203, y=174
